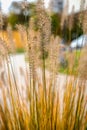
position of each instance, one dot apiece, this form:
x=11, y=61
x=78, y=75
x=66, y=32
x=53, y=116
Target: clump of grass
x=46, y=102
x=20, y=50
x=83, y=64
x=22, y=114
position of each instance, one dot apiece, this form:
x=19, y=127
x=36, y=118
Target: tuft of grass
x=20, y=50
x=45, y=101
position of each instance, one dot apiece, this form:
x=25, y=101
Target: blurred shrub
x=14, y=19
x=66, y=33
x=55, y=19
x=20, y=14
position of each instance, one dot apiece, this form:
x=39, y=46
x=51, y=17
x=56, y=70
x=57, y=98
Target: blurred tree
x=3, y=21
x=22, y=7
x=66, y=33
x=55, y=18
x=20, y=13
x=76, y=30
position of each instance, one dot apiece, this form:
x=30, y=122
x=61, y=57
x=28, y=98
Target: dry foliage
x=44, y=101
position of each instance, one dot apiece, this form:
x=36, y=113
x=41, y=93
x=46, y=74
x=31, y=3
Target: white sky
x=76, y=4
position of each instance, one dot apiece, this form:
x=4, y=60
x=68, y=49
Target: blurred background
x=64, y=17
